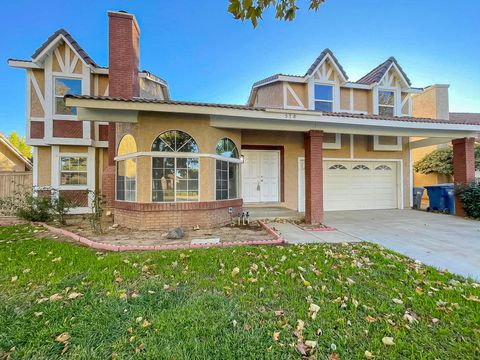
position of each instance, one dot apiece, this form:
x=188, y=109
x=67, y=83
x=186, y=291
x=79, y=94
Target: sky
x=206, y=55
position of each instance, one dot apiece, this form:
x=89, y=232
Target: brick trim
x=184, y=206
x=463, y=166
x=282, y=162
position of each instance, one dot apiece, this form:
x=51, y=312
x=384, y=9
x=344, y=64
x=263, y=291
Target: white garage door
x=354, y=185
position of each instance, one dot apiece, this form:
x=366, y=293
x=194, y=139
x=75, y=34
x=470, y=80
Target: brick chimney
x=123, y=55
x=123, y=64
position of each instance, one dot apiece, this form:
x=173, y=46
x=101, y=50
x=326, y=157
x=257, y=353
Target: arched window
x=227, y=148
x=175, y=176
x=226, y=172
x=127, y=170
x=176, y=141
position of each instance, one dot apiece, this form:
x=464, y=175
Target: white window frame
x=175, y=156
x=239, y=179
x=124, y=189
x=394, y=106
x=332, y=85
x=54, y=106
x=379, y=147
x=75, y=186
x=335, y=145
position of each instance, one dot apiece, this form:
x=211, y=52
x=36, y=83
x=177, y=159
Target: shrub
x=60, y=208
x=441, y=161
x=469, y=196
x=37, y=208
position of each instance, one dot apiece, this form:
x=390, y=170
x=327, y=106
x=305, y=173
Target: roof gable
x=324, y=55
x=54, y=39
x=377, y=74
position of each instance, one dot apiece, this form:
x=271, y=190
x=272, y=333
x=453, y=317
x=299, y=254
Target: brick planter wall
x=165, y=216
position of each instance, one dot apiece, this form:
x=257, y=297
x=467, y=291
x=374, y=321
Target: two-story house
x=316, y=142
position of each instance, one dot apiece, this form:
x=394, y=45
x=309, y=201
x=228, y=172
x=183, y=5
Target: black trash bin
x=417, y=197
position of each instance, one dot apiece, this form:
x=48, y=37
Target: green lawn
x=194, y=304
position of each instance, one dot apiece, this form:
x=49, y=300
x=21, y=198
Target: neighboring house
x=11, y=159
x=310, y=143
x=433, y=103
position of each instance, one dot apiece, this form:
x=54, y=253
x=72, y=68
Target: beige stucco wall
x=10, y=161
x=344, y=99
x=270, y=96
x=73, y=149
x=44, y=165
x=431, y=103
x=362, y=100
x=36, y=109
x=301, y=91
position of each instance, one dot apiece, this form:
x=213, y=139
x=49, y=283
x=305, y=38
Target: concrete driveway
x=443, y=241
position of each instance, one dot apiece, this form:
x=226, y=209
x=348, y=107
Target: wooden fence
x=13, y=182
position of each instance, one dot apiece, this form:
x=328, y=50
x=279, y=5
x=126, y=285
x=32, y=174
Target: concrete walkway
x=442, y=241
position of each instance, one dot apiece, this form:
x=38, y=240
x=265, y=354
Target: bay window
x=126, y=186
x=226, y=172
x=175, y=175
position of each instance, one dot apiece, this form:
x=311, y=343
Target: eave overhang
x=243, y=117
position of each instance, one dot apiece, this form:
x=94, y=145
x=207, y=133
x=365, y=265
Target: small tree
x=20, y=143
x=440, y=161
x=469, y=195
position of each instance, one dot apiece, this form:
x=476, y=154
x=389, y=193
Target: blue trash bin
x=441, y=198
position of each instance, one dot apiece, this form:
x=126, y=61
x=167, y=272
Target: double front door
x=260, y=173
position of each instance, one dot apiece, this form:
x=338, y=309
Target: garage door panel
x=351, y=185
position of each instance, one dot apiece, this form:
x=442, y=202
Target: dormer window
x=64, y=86
x=323, y=98
x=386, y=103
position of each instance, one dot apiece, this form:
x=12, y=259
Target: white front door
x=355, y=185
x=260, y=173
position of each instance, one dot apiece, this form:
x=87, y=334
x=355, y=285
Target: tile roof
x=273, y=77
x=377, y=74
x=167, y=102
x=462, y=117
x=83, y=54
x=246, y=107
x=319, y=59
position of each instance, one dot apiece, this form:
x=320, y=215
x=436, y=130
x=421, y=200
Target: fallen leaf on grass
x=74, y=295
x=279, y=313
x=235, y=271
x=145, y=323
x=388, y=341
x=63, y=337
x=55, y=297
x=397, y=301
x=300, y=325
x=118, y=280
x=37, y=314
x=276, y=336
x=333, y=356
x=471, y=298
x=371, y=319
x=368, y=355
x=57, y=259
x=14, y=278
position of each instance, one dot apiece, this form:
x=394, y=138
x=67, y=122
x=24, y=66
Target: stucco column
x=463, y=166
x=314, y=177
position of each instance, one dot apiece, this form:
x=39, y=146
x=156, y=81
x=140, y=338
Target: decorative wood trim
x=280, y=148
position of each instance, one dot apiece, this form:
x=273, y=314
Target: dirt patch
x=11, y=220
x=118, y=235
